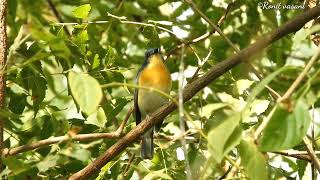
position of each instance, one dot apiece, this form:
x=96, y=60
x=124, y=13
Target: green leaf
x=252, y=161
x=77, y=152
x=286, y=129
x=81, y=40
x=97, y=118
x=47, y=163
x=223, y=137
x=152, y=35
x=301, y=167
x=15, y=165
x=82, y=11
x=110, y=56
x=157, y=174
x=34, y=124
x=206, y=111
x=96, y=61
x=104, y=170
x=86, y=91
x=17, y=103
x=303, y=33
x=36, y=84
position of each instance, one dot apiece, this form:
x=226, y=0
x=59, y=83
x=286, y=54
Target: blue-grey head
x=151, y=52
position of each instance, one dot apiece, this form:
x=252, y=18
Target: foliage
x=55, y=76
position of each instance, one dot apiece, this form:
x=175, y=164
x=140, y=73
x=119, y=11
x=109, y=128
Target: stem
x=181, y=115
x=312, y=154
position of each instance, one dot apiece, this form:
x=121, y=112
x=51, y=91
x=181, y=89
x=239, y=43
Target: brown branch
x=56, y=13
x=3, y=60
x=194, y=87
x=304, y=157
x=80, y=137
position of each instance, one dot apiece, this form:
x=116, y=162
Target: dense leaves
x=61, y=82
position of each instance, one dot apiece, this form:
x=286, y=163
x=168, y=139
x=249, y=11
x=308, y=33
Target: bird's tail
x=147, y=145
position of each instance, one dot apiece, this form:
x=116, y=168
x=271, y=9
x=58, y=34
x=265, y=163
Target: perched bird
x=154, y=74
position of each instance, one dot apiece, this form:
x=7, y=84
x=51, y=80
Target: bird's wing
x=136, y=106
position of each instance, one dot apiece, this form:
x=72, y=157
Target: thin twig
x=200, y=64
x=80, y=137
x=312, y=154
x=181, y=115
x=202, y=37
x=313, y=169
x=126, y=169
x=121, y=20
x=304, y=157
x=301, y=76
x=217, y=29
x=234, y=169
x=56, y=13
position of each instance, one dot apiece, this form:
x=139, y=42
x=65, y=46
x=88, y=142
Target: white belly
x=150, y=101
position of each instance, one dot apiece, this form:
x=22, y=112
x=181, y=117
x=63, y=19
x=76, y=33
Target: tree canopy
x=246, y=70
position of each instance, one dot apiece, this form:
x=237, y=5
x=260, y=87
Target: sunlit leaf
x=77, y=152
x=47, y=163
x=82, y=11
x=85, y=90
x=253, y=161
x=207, y=110
x=242, y=85
x=97, y=118
x=15, y=165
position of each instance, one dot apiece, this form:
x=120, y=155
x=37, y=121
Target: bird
x=153, y=74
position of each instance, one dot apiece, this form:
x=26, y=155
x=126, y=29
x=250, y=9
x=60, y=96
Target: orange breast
x=156, y=75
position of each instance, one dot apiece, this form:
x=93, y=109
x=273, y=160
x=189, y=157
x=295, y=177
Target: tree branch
x=3, y=59
x=191, y=89
x=80, y=137
x=304, y=157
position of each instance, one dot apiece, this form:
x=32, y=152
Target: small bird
x=154, y=74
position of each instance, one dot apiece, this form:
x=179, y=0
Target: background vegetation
x=66, y=57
